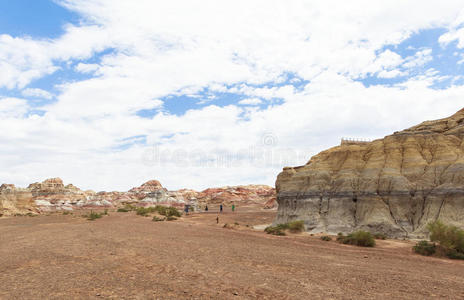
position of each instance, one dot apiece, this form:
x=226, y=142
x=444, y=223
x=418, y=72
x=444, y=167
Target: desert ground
x=125, y=256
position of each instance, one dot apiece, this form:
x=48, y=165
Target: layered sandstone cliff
x=395, y=185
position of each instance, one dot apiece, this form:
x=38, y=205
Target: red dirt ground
x=131, y=257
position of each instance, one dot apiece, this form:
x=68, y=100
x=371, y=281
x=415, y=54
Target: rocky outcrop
x=52, y=195
x=15, y=200
x=256, y=195
x=395, y=185
x=153, y=193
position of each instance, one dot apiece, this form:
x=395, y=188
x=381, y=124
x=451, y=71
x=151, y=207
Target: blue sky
x=35, y=18
x=98, y=86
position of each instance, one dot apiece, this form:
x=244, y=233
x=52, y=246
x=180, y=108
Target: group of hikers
x=221, y=208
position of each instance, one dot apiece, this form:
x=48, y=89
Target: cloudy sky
x=107, y=94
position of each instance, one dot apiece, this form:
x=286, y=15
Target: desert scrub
x=171, y=218
x=425, y=248
x=326, y=238
x=129, y=207
x=92, y=216
x=358, y=238
x=157, y=219
x=167, y=211
x=275, y=230
x=380, y=236
x=296, y=226
x=279, y=229
x=450, y=239
x=67, y=213
x=122, y=210
x=144, y=211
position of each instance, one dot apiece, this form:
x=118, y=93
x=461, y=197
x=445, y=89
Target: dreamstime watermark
x=266, y=154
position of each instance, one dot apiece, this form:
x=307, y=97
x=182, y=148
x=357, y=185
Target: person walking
x=217, y=219
x=206, y=207
x=220, y=208
x=233, y=207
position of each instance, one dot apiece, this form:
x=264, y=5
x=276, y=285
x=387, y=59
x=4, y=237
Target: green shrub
x=122, y=210
x=274, y=230
x=380, y=236
x=453, y=254
x=424, y=248
x=326, y=238
x=279, y=229
x=171, y=218
x=167, y=211
x=92, y=216
x=296, y=226
x=450, y=238
x=358, y=238
x=105, y=212
x=129, y=207
x=67, y=213
x=157, y=219
x=144, y=211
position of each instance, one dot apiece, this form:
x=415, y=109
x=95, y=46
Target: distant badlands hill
x=53, y=195
x=395, y=185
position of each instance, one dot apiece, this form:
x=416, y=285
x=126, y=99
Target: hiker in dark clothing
x=217, y=220
x=220, y=208
x=206, y=207
x=186, y=209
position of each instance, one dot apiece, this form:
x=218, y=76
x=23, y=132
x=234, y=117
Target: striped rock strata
x=395, y=185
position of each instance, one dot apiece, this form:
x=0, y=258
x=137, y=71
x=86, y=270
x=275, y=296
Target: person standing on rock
x=220, y=207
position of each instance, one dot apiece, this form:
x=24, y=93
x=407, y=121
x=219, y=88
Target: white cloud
x=454, y=35
x=420, y=58
x=13, y=107
x=391, y=74
x=461, y=60
x=250, y=101
x=86, y=68
x=386, y=60
x=36, y=93
x=162, y=48
x=23, y=60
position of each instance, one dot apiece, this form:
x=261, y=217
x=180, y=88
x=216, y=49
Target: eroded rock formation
x=52, y=195
x=243, y=195
x=395, y=185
